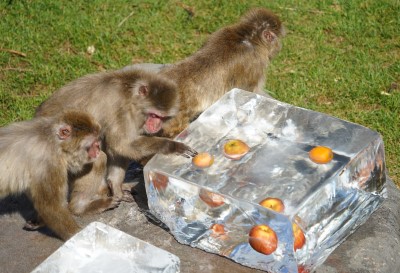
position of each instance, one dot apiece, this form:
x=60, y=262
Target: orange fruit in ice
x=203, y=160
x=263, y=239
x=235, y=149
x=299, y=238
x=218, y=229
x=275, y=204
x=321, y=154
x=159, y=181
x=211, y=199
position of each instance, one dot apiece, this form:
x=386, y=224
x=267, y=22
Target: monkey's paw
x=184, y=150
x=32, y=225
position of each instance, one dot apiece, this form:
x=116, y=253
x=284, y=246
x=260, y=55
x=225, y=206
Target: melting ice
x=215, y=208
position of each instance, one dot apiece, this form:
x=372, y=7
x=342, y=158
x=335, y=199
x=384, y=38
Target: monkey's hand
x=181, y=149
x=33, y=224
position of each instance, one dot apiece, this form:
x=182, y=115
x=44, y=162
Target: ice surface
x=327, y=201
x=100, y=248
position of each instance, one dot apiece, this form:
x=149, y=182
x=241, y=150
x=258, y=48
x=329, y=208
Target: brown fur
x=121, y=101
x=234, y=56
x=36, y=157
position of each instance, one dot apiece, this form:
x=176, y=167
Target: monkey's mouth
x=153, y=123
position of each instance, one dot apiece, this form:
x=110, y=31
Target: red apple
x=321, y=155
x=218, y=230
x=275, y=204
x=159, y=181
x=235, y=149
x=263, y=239
x=302, y=269
x=212, y=199
x=203, y=160
x=299, y=238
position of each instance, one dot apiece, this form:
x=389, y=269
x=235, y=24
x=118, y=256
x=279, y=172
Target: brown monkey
x=36, y=157
x=130, y=106
x=234, y=56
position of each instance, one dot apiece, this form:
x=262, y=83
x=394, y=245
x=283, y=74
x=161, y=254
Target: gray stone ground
x=374, y=247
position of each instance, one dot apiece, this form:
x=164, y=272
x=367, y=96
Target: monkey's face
x=159, y=102
x=79, y=139
x=268, y=28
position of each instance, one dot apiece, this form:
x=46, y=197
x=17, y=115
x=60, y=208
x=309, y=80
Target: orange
x=321, y=154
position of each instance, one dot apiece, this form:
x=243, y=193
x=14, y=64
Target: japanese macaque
x=234, y=56
x=37, y=157
x=130, y=106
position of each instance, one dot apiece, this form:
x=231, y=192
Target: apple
x=159, y=181
x=299, y=238
x=212, y=199
x=203, y=160
x=302, y=269
x=263, y=239
x=321, y=155
x=218, y=230
x=273, y=203
x=235, y=149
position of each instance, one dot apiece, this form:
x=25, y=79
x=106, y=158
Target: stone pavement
x=373, y=248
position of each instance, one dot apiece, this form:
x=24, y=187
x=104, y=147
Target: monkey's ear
x=143, y=90
x=64, y=132
x=269, y=35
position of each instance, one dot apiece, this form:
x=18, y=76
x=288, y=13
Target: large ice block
x=103, y=249
x=216, y=208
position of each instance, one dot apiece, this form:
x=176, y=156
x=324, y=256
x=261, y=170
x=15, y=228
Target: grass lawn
x=339, y=57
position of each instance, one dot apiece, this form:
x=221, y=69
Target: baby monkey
x=234, y=56
x=38, y=155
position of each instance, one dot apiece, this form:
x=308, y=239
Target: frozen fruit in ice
x=235, y=149
x=263, y=239
x=218, y=230
x=273, y=203
x=203, y=160
x=321, y=154
x=210, y=198
x=299, y=238
x=159, y=181
x=302, y=269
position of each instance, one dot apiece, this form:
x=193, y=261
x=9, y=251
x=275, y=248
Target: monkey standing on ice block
x=36, y=157
x=130, y=106
x=234, y=56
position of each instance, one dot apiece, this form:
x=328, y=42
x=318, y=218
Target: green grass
x=339, y=57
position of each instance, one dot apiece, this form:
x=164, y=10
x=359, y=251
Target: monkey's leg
x=49, y=200
x=115, y=177
x=90, y=192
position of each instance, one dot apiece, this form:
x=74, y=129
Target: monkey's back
x=23, y=150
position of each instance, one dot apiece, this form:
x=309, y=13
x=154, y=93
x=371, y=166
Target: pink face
x=90, y=143
x=153, y=122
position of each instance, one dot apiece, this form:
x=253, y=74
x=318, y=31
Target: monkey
x=36, y=158
x=130, y=106
x=234, y=56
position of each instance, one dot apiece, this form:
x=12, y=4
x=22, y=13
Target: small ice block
x=216, y=208
x=100, y=248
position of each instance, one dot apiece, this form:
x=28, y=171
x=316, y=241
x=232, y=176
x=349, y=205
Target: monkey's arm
x=49, y=197
x=145, y=146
